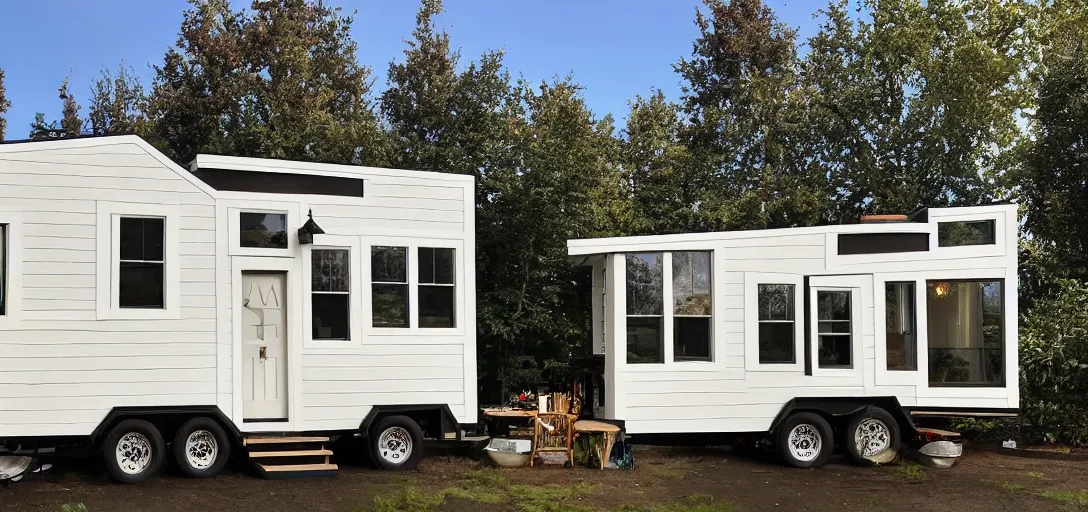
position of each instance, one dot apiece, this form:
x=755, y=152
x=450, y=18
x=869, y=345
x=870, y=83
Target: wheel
x=872, y=436
x=804, y=440
x=133, y=451
x=201, y=448
x=396, y=443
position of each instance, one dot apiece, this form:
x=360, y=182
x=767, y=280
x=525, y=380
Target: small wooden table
x=608, y=434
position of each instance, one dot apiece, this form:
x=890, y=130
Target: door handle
x=264, y=353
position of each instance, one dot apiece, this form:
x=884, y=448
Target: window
x=436, y=287
x=974, y=232
x=330, y=294
x=389, y=286
x=966, y=332
x=645, y=309
x=691, y=306
x=776, y=324
x=833, y=329
x=140, y=282
x=899, y=322
x=263, y=230
x=3, y=267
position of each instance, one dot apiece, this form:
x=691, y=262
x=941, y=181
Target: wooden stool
x=608, y=433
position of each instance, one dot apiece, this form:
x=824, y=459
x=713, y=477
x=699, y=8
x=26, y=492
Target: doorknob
x=264, y=354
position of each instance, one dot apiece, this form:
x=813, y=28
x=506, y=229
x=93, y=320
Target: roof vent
x=883, y=219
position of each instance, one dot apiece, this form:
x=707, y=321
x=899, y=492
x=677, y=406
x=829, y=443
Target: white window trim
x=356, y=298
x=998, y=248
x=406, y=284
x=670, y=312
x=857, y=285
x=884, y=376
x=108, y=260
x=413, y=244
x=234, y=229
x=752, y=280
x=13, y=274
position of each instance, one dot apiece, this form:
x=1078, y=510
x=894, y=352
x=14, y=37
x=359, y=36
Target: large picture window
x=645, y=308
x=691, y=306
x=901, y=343
x=330, y=298
x=389, y=286
x=777, y=324
x=140, y=280
x=436, y=287
x=966, y=332
x=834, y=345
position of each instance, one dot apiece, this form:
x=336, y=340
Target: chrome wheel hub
x=133, y=453
x=805, y=442
x=872, y=437
x=201, y=449
x=395, y=445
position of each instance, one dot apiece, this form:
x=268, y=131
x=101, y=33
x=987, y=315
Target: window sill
x=995, y=385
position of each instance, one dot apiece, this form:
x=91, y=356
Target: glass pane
x=834, y=327
x=776, y=301
x=390, y=305
x=141, y=239
x=899, y=326
x=691, y=339
x=645, y=340
x=691, y=283
x=833, y=305
x=644, y=287
x=267, y=230
x=966, y=332
x=140, y=285
x=389, y=264
x=975, y=232
x=834, y=351
x=426, y=265
x=330, y=316
x=776, y=342
x=443, y=266
x=330, y=271
x=436, y=306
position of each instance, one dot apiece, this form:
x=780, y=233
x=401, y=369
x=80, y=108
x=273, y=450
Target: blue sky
x=614, y=48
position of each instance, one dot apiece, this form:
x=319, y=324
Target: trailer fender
x=844, y=407
x=436, y=420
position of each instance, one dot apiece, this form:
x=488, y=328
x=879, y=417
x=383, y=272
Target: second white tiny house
x=146, y=307
x=742, y=331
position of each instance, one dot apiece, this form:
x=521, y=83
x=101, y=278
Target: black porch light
x=308, y=230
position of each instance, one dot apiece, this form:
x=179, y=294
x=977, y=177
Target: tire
x=872, y=437
x=201, y=448
x=804, y=440
x=133, y=451
x=396, y=443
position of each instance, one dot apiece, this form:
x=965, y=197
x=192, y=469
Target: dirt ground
x=665, y=479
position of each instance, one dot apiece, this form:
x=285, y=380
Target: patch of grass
x=407, y=500
x=73, y=507
x=911, y=472
x=693, y=503
x=487, y=486
x=1035, y=474
x=1078, y=497
x=1012, y=487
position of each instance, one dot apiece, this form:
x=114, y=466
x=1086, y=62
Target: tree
x=117, y=103
x=915, y=108
x=4, y=106
x=280, y=81
x=657, y=169
x=71, y=125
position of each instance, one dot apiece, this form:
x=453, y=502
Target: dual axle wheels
x=806, y=439
x=134, y=450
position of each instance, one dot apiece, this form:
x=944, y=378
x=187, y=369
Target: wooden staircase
x=277, y=458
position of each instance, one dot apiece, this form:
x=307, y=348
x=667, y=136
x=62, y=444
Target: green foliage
x=1078, y=497
x=73, y=507
x=911, y=472
x=693, y=503
x=71, y=125
x=117, y=103
x=487, y=486
x=4, y=106
x=1012, y=487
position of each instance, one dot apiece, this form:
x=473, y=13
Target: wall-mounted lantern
x=308, y=230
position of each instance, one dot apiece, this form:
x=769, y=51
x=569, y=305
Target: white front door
x=264, y=346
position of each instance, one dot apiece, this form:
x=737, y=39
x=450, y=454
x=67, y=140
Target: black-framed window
x=777, y=324
x=330, y=294
x=834, y=329
x=436, y=290
x=970, y=232
x=3, y=268
x=262, y=230
x=900, y=326
x=645, y=308
x=389, y=286
x=966, y=332
x=691, y=306
x=140, y=280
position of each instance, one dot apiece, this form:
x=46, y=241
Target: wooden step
x=291, y=453
x=282, y=440
x=297, y=467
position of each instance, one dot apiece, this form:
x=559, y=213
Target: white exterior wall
x=66, y=357
x=734, y=393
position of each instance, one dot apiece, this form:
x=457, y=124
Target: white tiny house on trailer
x=837, y=325
x=138, y=297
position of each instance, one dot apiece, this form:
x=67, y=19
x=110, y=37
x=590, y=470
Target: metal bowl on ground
x=508, y=459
